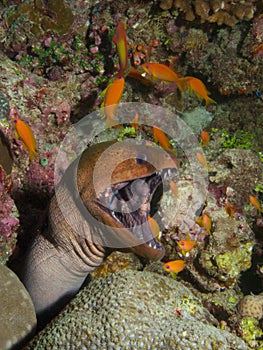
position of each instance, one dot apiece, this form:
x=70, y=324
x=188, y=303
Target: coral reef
x=135, y=310
x=40, y=16
x=198, y=118
x=216, y=11
x=238, y=114
x=224, y=58
x=222, y=305
x=8, y=218
x=251, y=332
x=56, y=59
x=220, y=256
x=117, y=261
x=4, y=106
x=225, y=263
x=234, y=170
x=251, y=306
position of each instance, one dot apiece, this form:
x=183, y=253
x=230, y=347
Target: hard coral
x=54, y=16
x=251, y=306
x=135, y=310
x=215, y=11
x=166, y=4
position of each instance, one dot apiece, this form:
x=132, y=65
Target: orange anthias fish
x=135, y=123
x=120, y=40
x=162, y=72
x=174, y=266
x=200, y=90
x=154, y=226
x=186, y=246
x=159, y=136
x=230, y=209
x=24, y=132
x=204, y=221
x=205, y=138
x=112, y=97
x=201, y=159
x=174, y=188
x=255, y=202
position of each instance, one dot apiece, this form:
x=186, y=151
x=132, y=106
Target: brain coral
x=134, y=310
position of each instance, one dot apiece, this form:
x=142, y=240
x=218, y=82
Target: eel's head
x=120, y=183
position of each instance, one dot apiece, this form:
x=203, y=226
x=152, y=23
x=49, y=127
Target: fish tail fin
x=110, y=122
x=32, y=154
x=182, y=84
x=209, y=100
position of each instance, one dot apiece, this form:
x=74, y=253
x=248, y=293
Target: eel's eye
x=141, y=158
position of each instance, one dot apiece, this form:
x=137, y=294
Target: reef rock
x=17, y=317
x=135, y=310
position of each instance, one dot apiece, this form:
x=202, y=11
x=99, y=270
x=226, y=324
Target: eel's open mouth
x=131, y=203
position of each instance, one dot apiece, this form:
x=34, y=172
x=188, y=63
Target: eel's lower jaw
x=152, y=250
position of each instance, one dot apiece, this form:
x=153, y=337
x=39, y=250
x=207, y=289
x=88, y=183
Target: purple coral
x=7, y=225
x=8, y=218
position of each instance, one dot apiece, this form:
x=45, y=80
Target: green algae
x=239, y=139
x=189, y=305
x=251, y=332
x=231, y=263
x=127, y=131
x=259, y=188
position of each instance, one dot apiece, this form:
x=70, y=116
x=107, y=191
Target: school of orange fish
x=112, y=95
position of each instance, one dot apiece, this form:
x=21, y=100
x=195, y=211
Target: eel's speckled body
x=61, y=257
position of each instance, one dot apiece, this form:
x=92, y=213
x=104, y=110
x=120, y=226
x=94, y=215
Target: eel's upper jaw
x=130, y=203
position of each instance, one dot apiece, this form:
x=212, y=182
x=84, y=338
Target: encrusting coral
x=43, y=16
x=216, y=11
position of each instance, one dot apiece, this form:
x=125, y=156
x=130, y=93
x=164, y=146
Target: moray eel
x=61, y=257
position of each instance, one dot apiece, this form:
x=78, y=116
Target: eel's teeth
x=114, y=215
x=152, y=244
